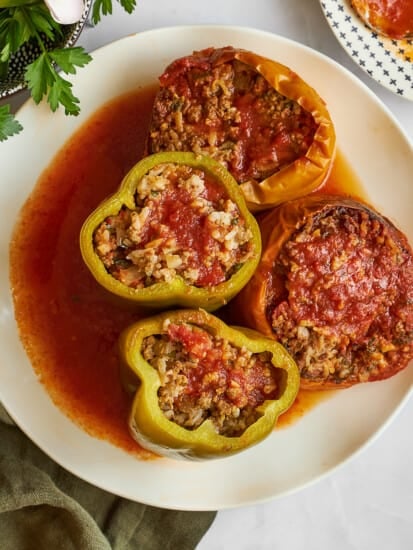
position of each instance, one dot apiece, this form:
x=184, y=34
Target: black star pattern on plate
x=388, y=61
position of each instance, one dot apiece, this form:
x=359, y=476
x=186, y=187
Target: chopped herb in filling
x=231, y=113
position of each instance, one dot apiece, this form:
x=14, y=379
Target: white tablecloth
x=368, y=502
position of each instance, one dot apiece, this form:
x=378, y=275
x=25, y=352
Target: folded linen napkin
x=42, y=506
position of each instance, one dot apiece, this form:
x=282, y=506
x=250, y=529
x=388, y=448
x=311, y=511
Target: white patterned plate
x=389, y=62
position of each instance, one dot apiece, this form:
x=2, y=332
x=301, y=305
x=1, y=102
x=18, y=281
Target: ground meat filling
x=347, y=313
x=184, y=224
x=230, y=112
x=204, y=376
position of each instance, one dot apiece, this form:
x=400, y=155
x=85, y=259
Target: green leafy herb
x=23, y=20
x=8, y=124
x=104, y=7
x=43, y=80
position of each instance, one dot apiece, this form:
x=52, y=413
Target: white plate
x=290, y=458
x=389, y=62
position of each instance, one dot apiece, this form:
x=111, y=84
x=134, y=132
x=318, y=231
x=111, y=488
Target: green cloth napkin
x=42, y=506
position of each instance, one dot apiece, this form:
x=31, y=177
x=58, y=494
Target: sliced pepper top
x=203, y=389
x=177, y=232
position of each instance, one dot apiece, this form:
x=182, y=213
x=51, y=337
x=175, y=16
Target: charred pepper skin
x=150, y=427
x=267, y=287
x=176, y=292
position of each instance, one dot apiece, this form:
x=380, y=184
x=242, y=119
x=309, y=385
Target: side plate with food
x=388, y=60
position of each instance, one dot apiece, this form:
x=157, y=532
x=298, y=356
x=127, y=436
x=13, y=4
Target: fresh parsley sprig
x=104, y=7
x=28, y=20
x=8, y=123
x=43, y=79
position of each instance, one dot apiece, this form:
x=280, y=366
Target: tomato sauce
x=216, y=370
x=68, y=324
x=175, y=224
x=352, y=298
x=343, y=181
x=392, y=18
x=246, y=121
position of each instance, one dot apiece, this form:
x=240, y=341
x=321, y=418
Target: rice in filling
x=184, y=224
x=347, y=309
x=204, y=376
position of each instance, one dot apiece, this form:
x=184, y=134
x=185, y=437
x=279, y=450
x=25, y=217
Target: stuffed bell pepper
x=203, y=389
x=335, y=287
x=257, y=117
x=177, y=232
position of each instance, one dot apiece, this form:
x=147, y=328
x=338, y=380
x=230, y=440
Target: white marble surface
x=368, y=502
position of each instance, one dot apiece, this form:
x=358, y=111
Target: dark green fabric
x=42, y=506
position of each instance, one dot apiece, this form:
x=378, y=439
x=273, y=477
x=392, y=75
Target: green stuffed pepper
x=203, y=389
x=177, y=232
